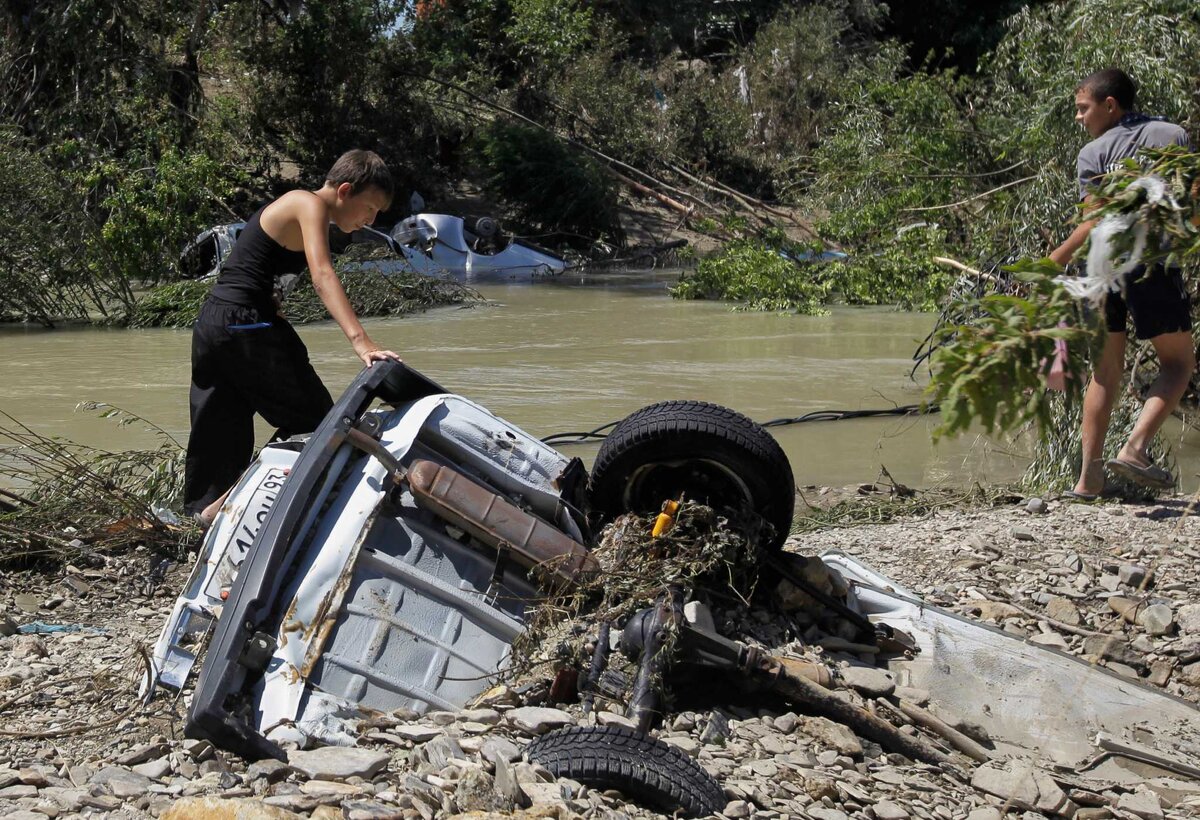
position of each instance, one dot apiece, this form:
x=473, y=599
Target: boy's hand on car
x=371, y=354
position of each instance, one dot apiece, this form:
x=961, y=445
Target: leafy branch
x=991, y=365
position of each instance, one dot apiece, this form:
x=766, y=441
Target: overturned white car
x=388, y=561
x=467, y=248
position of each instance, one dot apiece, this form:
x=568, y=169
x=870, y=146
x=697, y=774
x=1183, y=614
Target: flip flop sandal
x=1152, y=476
x=1086, y=498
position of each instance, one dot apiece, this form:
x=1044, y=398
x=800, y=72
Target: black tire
x=707, y=452
x=639, y=766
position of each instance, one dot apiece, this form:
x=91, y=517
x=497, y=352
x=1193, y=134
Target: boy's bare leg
x=1098, y=403
x=206, y=516
x=1177, y=360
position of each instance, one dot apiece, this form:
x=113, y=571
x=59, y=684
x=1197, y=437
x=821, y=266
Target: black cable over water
x=599, y=434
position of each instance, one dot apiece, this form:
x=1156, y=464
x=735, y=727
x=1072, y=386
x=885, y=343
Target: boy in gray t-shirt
x=1157, y=300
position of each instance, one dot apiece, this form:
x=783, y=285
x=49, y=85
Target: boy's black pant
x=244, y=361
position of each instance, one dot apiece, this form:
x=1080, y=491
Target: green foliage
x=371, y=292
x=548, y=33
x=990, y=369
x=902, y=273
x=175, y=304
x=1170, y=219
x=758, y=276
x=45, y=242
x=550, y=185
x=105, y=499
x=156, y=210
x=1029, y=100
x=327, y=80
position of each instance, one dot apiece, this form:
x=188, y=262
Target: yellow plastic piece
x=666, y=518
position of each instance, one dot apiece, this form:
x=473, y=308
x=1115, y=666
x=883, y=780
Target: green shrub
x=371, y=293
x=757, y=275
x=155, y=210
x=550, y=185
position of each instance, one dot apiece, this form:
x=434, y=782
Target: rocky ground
x=75, y=740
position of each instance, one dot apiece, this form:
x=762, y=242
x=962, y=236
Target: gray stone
x=338, y=762
x=476, y=791
x=1160, y=671
x=613, y=719
x=1111, y=649
x=140, y=754
x=417, y=732
x=822, y=813
x=438, y=752
x=834, y=735
x=293, y=802
x=17, y=792
x=984, y=813
x=887, y=810
x=545, y=793
x=371, y=810
x=1188, y=619
x=872, y=682
x=1023, y=786
x=122, y=782
x=1060, y=609
x=1036, y=506
x=198, y=750
x=497, y=748
x=1109, y=582
x=1134, y=575
x=507, y=785
x=1051, y=639
x=1157, y=619
x=8, y=777
x=716, y=731
x=1144, y=804
x=1022, y=534
x=28, y=603
x=270, y=770
x=1122, y=670
x=154, y=769
x=538, y=720
x=737, y=808
x=489, y=717
x=691, y=747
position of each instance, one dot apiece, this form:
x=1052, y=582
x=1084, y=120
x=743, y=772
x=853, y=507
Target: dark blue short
x=1158, y=302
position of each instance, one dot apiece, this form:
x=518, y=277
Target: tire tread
x=640, y=766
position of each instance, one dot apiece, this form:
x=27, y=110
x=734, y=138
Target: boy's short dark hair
x=362, y=169
x=1111, y=82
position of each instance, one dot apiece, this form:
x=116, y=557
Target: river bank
x=76, y=741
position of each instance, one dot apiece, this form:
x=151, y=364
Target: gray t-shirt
x=1122, y=141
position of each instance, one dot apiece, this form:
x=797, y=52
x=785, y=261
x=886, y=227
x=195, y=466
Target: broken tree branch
x=952, y=736
x=998, y=188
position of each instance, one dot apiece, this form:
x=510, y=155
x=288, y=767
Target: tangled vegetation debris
x=370, y=275
x=67, y=502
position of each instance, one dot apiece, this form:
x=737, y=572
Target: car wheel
x=643, y=768
x=703, y=451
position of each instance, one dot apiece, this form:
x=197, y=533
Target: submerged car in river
x=467, y=248
x=388, y=561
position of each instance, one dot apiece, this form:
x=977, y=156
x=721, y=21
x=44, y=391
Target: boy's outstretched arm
x=314, y=227
x=1063, y=253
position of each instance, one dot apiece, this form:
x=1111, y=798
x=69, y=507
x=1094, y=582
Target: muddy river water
x=566, y=355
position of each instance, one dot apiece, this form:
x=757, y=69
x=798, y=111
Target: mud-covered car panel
x=358, y=592
x=221, y=710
